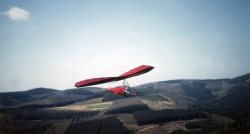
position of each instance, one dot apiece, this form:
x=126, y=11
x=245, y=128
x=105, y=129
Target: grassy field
x=84, y=107
x=99, y=106
x=158, y=101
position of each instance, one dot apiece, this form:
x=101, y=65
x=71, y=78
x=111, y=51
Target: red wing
x=136, y=71
x=94, y=81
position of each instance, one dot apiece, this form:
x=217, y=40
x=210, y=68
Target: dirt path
x=144, y=129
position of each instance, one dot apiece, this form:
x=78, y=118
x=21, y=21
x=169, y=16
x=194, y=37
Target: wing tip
x=77, y=84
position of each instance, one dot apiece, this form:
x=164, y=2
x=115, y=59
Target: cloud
x=17, y=14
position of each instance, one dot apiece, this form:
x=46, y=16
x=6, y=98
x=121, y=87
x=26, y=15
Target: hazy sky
x=55, y=43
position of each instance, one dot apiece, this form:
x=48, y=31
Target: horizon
x=56, y=44
x=96, y=86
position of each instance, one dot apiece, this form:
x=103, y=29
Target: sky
x=55, y=43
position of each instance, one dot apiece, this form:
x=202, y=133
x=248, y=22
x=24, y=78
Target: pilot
x=126, y=91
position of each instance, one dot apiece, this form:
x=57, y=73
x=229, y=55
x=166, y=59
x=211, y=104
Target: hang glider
x=125, y=89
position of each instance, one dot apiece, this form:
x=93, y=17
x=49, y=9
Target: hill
x=174, y=106
x=45, y=97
